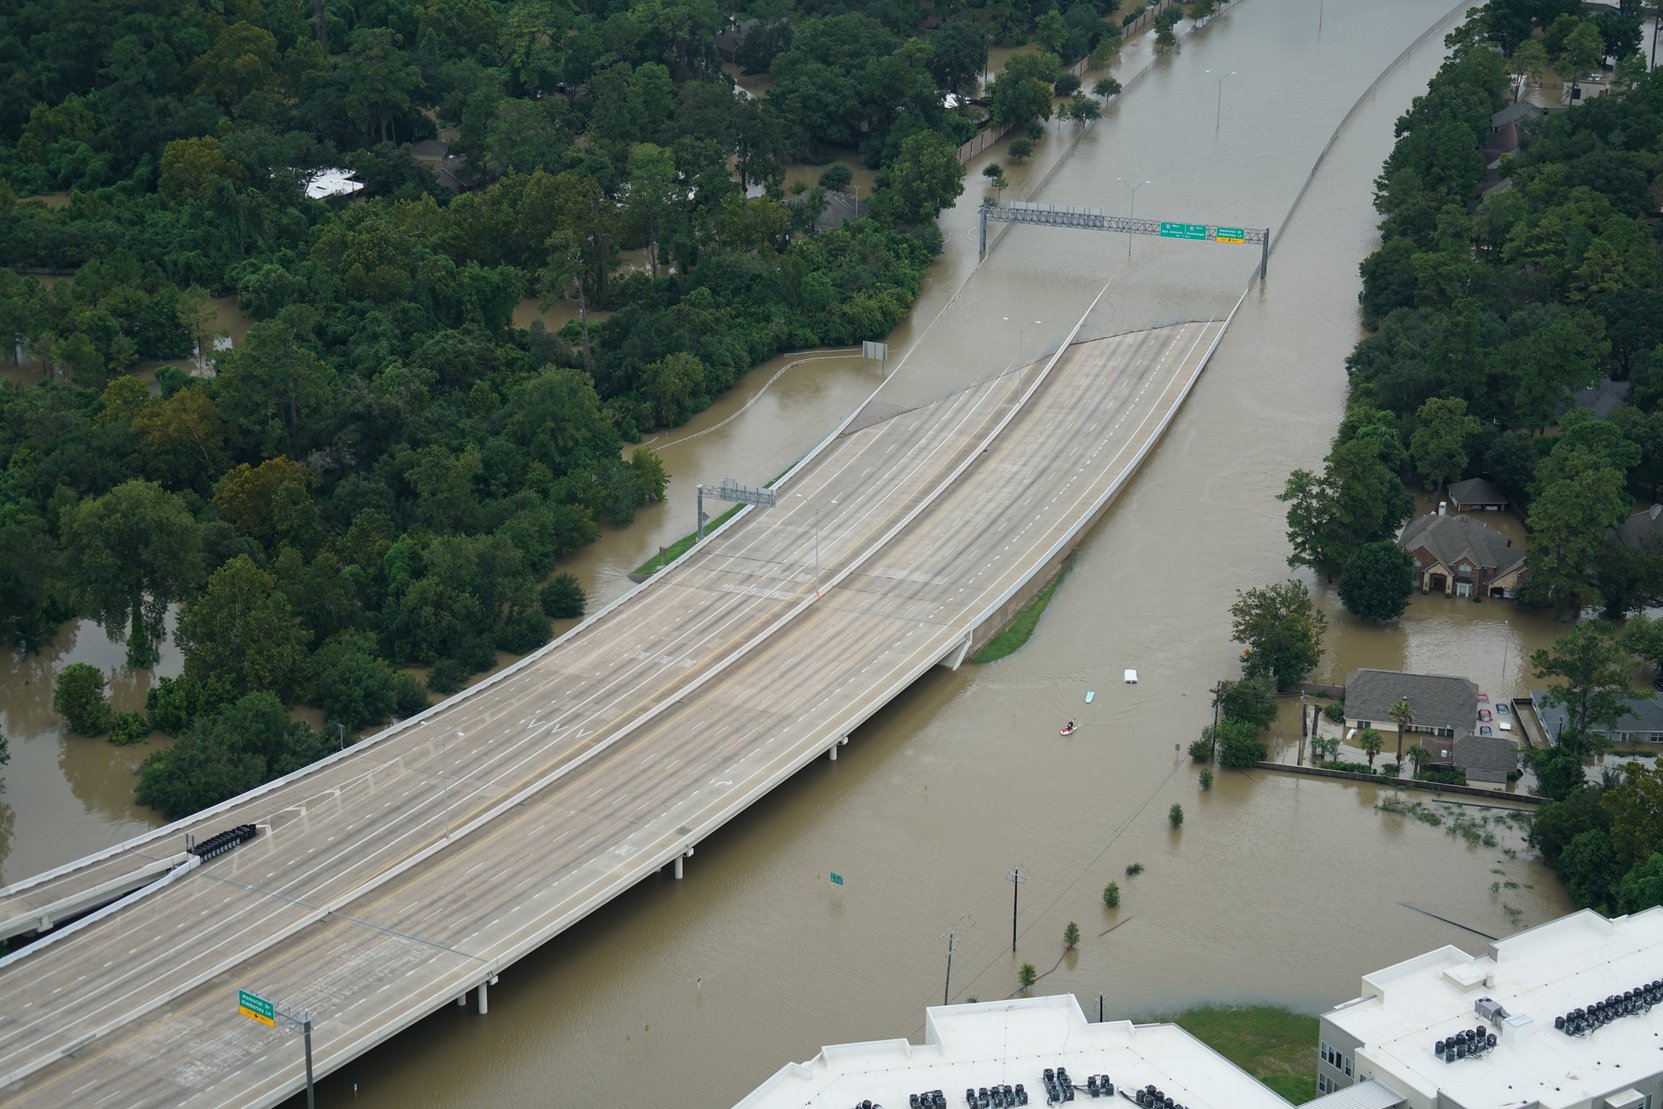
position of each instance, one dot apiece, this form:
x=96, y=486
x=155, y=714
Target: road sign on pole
x=1183, y=230
x=1230, y=235
x=255, y=1007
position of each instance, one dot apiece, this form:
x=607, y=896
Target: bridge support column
x=462, y=999
x=484, y=996
x=688, y=854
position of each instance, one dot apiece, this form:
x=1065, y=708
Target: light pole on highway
x=1218, y=115
x=1021, y=330
x=444, y=774
x=1132, y=211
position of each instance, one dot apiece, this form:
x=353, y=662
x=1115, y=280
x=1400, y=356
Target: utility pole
x=1218, y=697
x=1015, y=878
x=946, y=990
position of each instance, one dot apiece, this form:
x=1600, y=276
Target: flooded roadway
x=1275, y=888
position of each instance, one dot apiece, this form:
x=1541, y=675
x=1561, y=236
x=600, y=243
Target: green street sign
x=1230, y=235
x=1183, y=230
x=836, y=878
x=255, y=1007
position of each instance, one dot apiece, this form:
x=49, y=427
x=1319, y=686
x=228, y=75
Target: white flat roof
x=1537, y=975
x=1007, y=1042
x=331, y=181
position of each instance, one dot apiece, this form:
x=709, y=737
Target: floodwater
x=1275, y=888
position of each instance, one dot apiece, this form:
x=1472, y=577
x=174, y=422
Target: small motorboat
x=1069, y=729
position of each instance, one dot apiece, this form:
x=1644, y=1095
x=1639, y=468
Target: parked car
x=1484, y=714
x=1502, y=709
x=1483, y=698
x=1484, y=729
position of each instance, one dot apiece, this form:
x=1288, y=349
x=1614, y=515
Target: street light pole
x=1132, y=210
x=1021, y=330
x=1218, y=116
x=1014, y=877
x=947, y=990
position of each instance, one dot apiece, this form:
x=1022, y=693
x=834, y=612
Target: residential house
x=1445, y=707
x=1642, y=723
x=1476, y=495
x=1460, y=557
x=1642, y=531
x=1485, y=758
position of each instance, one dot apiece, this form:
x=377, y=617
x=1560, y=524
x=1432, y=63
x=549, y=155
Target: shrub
x=563, y=597
x=409, y=697
x=523, y=633
x=1021, y=150
x=1239, y=745
x=1134, y=869
x=1111, y=895
x=1334, y=711
x=1352, y=767
x=1206, y=778
x=1201, y=750
x=447, y=676
x=1067, y=84
x=129, y=727
x=79, y=699
x=1071, y=936
x=1028, y=975
x=1175, y=815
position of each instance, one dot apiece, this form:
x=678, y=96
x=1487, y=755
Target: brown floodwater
x=1275, y=888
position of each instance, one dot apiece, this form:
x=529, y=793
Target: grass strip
x=667, y=555
x=1274, y=1045
x=1021, y=629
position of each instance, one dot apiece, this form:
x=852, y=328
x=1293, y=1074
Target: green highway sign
x=1183, y=230
x=1230, y=235
x=255, y=1007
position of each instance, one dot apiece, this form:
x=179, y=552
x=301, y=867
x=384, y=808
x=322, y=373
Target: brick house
x=1460, y=557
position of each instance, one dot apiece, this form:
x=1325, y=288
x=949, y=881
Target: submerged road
x=412, y=869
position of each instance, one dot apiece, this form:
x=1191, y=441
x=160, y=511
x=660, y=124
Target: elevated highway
x=415, y=868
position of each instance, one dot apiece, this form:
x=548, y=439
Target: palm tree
x=1404, y=714
x=1371, y=742
x=1419, y=755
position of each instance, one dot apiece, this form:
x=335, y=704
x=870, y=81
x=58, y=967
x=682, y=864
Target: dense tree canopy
x=384, y=467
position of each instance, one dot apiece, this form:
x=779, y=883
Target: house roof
x=1439, y=700
x=1450, y=539
x=1604, y=398
x=1513, y=113
x=1641, y=528
x=1645, y=714
x=1489, y=757
x=1475, y=490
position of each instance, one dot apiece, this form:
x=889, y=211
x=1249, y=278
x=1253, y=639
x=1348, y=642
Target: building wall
x=1336, y=1058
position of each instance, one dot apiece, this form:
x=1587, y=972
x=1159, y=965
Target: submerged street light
x=1131, y=211
x=1218, y=115
x=1021, y=330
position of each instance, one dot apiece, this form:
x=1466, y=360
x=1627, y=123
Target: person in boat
x=1070, y=727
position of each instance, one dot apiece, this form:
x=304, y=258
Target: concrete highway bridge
x=414, y=868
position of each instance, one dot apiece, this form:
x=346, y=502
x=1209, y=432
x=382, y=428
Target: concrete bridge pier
x=484, y=994
x=831, y=752
x=688, y=854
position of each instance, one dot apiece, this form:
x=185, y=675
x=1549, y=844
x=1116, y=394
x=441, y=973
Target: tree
x=242, y=60
x=1641, y=887
x=563, y=597
x=241, y=630
x=1376, y=581
x=1071, y=936
x=1323, y=749
x=227, y=753
x=1175, y=815
x=1527, y=64
x=1418, y=756
x=1371, y=741
x=837, y=178
x=378, y=83
x=79, y=698
x=1584, y=50
x=1598, y=674
x=655, y=197
x=1022, y=91
x=1168, y=19
x=1313, y=523
x=1111, y=895
x=1020, y=150
x=1028, y=975
x=1402, y=713
x=1282, y=630
x=128, y=555
x=350, y=683
x=1438, y=446
x=1239, y=745
x=1252, y=700
x=192, y=167
x=270, y=502
x=925, y=177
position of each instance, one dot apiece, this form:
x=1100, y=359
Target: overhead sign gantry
x=1094, y=219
